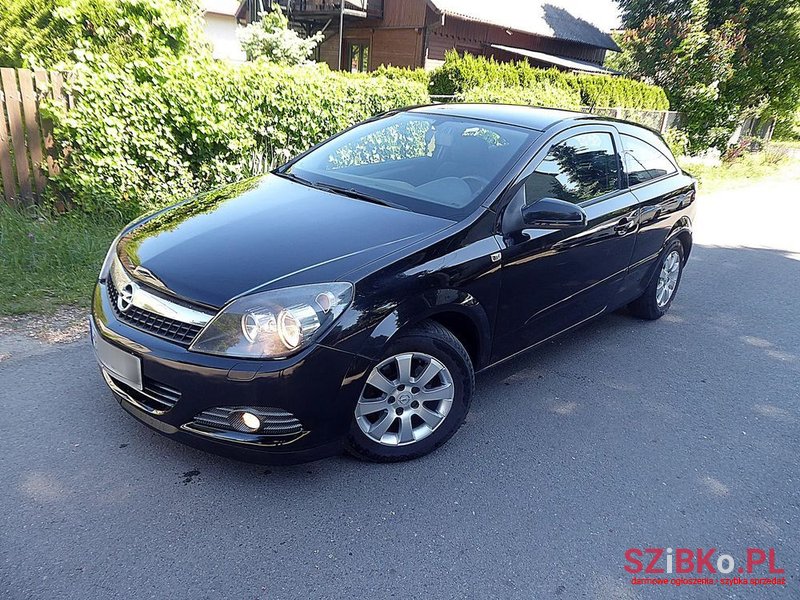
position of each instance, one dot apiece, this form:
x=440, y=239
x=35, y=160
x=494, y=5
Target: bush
x=143, y=135
x=611, y=92
x=459, y=74
x=788, y=127
x=44, y=33
x=271, y=38
x=389, y=72
x=540, y=95
x=678, y=141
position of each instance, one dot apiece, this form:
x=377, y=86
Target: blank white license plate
x=122, y=365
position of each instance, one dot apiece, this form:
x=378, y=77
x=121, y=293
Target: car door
x=555, y=278
x=663, y=191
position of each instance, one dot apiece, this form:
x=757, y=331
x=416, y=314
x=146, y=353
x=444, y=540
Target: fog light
x=250, y=421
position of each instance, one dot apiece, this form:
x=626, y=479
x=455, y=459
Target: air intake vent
x=274, y=421
x=154, y=397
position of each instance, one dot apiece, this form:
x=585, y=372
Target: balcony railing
x=352, y=8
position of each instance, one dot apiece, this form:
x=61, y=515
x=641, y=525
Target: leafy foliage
x=139, y=138
x=390, y=72
x=543, y=94
x=45, y=33
x=788, y=126
x=461, y=73
x=271, y=38
x=719, y=60
x=677, y=140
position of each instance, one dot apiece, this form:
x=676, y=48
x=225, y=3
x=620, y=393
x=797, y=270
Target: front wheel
x=658, y=296
x=415, y=398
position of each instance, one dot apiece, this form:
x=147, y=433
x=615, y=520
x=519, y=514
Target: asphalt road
x=677, y=433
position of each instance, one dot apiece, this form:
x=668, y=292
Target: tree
x=693, y=61
x=271, y=38
x=45, y=33
x=720, y=60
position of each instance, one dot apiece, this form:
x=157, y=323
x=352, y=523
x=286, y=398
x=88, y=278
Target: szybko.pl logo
x=659, y=566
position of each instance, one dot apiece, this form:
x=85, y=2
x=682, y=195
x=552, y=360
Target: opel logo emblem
x=125, y=298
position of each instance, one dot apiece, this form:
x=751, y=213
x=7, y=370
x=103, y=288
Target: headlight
x=276, y=323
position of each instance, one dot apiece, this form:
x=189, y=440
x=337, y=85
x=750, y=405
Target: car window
x=578, y=169
x=399, y=141
x=644, y=162
x=438, y=165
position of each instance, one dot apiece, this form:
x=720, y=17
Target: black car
x=347, y=299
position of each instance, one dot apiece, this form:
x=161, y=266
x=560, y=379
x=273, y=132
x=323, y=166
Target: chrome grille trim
x=174, y=331
x=157, y=305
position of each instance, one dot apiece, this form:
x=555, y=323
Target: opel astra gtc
x=346, y=299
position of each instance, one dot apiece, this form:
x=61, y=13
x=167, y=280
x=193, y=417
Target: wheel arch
x=456, y=310
x=682, y=230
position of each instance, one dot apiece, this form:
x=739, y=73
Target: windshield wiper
x=293, y=177
x=334, y=189
x=353, y=193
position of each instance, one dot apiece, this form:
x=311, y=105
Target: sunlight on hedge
x=142, y=136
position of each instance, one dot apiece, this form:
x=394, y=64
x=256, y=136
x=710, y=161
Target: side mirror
x=551, y=213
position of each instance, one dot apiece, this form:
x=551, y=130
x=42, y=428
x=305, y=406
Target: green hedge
x=459, y=74
x=141, y=136
x=419, y=75
x=540, y=95
x=44, y=33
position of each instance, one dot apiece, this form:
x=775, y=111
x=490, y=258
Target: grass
x=745, y=169
x=46, y=263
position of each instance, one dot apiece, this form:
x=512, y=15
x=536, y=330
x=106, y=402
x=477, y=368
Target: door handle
x=625, y=225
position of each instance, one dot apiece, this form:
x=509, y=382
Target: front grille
x=274, y=421
x=170, y=329
x=155, y=396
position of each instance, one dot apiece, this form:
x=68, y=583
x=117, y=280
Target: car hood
x=260, y=233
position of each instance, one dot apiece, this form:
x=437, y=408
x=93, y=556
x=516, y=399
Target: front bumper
x=319, y=387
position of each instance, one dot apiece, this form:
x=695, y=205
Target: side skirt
x=547, y=339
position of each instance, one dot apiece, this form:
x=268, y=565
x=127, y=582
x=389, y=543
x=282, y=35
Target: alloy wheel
x=406, y=397
x=668, y=278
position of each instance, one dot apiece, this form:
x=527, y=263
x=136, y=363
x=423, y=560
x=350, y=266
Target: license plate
x=122, y=365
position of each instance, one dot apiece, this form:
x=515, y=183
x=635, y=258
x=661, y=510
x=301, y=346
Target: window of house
x=578, y=169
x=359, y=57
x=644, y=162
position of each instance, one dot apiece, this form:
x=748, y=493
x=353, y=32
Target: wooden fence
x=27, y=148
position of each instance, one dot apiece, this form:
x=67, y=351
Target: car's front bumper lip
x=319, y=386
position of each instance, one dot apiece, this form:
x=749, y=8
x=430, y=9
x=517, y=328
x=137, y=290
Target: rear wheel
x=658, y=296
x=415, y=398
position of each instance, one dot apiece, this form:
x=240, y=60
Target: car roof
x=530, y=117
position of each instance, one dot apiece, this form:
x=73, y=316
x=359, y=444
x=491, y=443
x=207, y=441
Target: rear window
x=644, y=162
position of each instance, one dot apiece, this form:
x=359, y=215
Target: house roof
x=559, y=61
x=559, y=19
x=220, y=7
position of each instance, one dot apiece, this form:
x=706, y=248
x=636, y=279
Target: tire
x=388, y=423
x=647, y=306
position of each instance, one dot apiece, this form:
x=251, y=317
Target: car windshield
x=441, y=166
